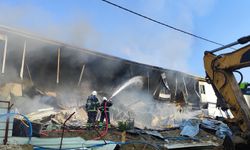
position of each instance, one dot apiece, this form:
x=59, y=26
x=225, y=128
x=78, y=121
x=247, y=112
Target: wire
x=163, y=24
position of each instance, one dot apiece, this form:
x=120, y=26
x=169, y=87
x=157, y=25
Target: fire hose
x=106, y=125
x=102, y=134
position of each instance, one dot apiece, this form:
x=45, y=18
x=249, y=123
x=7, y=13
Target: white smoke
x=135, y=38
x=131, y=102
x=74, y=30
x=148, y=112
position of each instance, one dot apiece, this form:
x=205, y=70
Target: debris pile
x=54, y=119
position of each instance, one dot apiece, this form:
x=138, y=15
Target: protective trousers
x=103, y=116
x=91, y=117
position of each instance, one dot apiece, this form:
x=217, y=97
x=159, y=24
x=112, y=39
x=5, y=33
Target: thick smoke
x=26, y=105
x=131, y=101
x=135, y=46
x=40, y=69
x=147, y=112
x=141, y=40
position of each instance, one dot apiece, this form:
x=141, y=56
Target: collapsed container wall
x=102, y=72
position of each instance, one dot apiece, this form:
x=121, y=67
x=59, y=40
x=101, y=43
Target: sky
x=98, y=26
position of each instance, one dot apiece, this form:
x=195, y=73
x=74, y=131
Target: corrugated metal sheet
x=68, y=143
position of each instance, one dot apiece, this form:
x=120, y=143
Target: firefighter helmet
x=94, y=93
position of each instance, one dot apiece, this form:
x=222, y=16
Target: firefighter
x=108, y=104
x=92, y=106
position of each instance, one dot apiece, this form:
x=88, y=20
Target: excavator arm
x=219, y=70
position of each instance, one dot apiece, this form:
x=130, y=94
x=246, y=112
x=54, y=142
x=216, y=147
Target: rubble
x=57, y=117
x=220, y=128
x=39, y=115
x=48, y=121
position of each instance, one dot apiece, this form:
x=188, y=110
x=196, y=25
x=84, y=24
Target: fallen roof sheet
x=191, y=145
x=69, y=142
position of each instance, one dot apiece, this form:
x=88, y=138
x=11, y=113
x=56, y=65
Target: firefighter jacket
x=108, y=104
x=92, y=103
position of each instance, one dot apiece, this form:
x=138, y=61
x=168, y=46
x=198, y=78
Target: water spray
x=137, y=80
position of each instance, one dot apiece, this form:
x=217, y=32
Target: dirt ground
x=16, y=147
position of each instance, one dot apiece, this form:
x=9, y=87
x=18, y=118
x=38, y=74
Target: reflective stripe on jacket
x=92, y=103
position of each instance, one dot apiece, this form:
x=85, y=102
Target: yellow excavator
x=220, y=71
